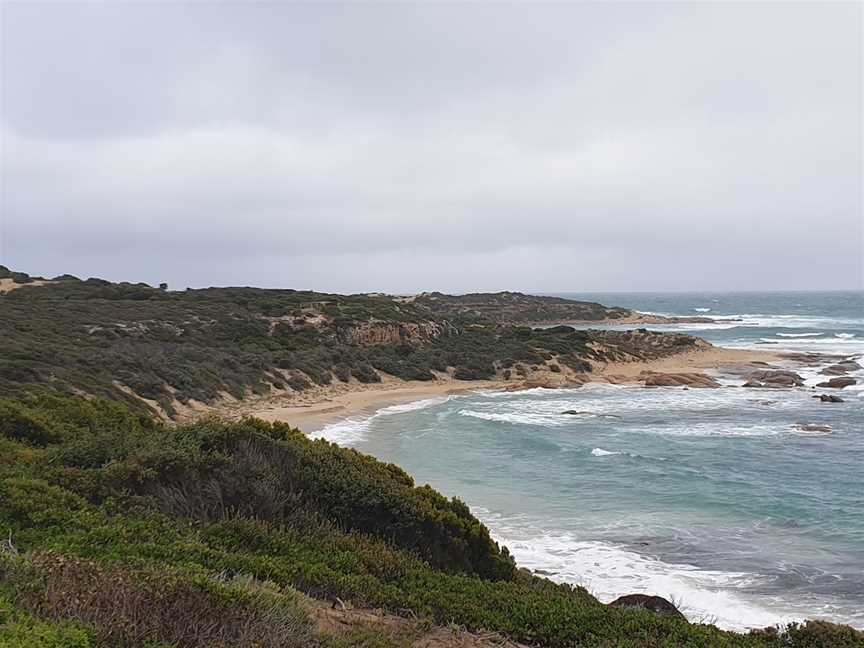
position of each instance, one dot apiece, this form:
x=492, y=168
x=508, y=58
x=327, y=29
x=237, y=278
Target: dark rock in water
x=838, y=383
x=585, y=413
x=655, y=604
x=841, y=368
x=829, y=398
x=543, y=572
x=812, y=427
x=654, y=379
x=811, y=359
x=777, y=378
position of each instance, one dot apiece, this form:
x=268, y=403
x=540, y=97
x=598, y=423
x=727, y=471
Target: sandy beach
x=311, y=411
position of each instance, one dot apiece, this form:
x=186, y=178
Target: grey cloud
x=461, y=147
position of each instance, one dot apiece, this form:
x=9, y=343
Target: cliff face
x=379, y=332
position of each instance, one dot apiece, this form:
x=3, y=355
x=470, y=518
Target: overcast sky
x=680, y=146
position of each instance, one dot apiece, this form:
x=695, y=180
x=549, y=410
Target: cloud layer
x=453, y=147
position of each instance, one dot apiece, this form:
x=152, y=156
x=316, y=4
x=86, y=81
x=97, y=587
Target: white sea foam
x=600, y=452
x=614, y=409
x=833, y=345
x=702, y=310
x=762, y=320
x=413, y=406
x=347, y=432
x=351, y=431
x=609, y=571
x=520, y=418
x=798, y=321
x=503, y=393
x=716, y=430
x=796, y=335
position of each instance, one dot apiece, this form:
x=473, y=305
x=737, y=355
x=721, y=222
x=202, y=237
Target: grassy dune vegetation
x=118, y=530
x=125, y=341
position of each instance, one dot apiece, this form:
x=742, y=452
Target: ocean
x=712, y=498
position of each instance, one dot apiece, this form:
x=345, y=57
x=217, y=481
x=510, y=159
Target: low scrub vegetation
x=126, y=531
x=131, y=341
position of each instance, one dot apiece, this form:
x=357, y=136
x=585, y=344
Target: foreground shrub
x=22, y=424
x=821, y=634
x=19, y=629
x=143, y=607
x=274, y=470
x=146, y=525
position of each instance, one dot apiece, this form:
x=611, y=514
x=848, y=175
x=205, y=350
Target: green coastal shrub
x=215, y=527
x=211, y=469
x=365, y=373
x=166, y=606
x=19, y=629
x=101, y=338
x=25, y=425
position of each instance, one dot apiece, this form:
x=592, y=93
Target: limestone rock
x=655, y=604
x=838, y=383
x=841, y=368
x=829, y=398
x=774, y=378
x=654, y=379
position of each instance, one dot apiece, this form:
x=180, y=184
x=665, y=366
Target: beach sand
x=311, y=411
x=8, y=285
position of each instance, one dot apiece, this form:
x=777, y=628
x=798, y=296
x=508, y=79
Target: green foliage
x=516, y=308
x=20, y=629
x=208, y=469
x=150, y=606
x=369, y=637
x=96, y=337
x=199, y=526
x=22, y=424
x=821, y=634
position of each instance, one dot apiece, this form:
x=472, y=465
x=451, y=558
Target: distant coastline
x=311, y=411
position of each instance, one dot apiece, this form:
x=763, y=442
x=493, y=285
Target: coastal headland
x=152, y=451
x=307, y=357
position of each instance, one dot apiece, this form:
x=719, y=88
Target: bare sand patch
x=8, y=284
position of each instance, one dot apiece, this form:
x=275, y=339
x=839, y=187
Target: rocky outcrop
x=812, y=427
x=656, y=604
x=775, y=378
x=698, y=380
x=380, y=332
x=811, y=358
x=586, y=413
x=829, y=398
x=841, y=368
x=838, y=383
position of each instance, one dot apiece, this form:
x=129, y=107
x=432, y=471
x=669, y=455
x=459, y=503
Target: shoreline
x=637, y=318
x=310, y=412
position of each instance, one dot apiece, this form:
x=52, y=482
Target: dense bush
x=166, y=606
x=22, y=424
x=201, y=533
x=168, y=347
x=211, y=469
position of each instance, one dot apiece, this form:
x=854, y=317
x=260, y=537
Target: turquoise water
x=712, y=498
